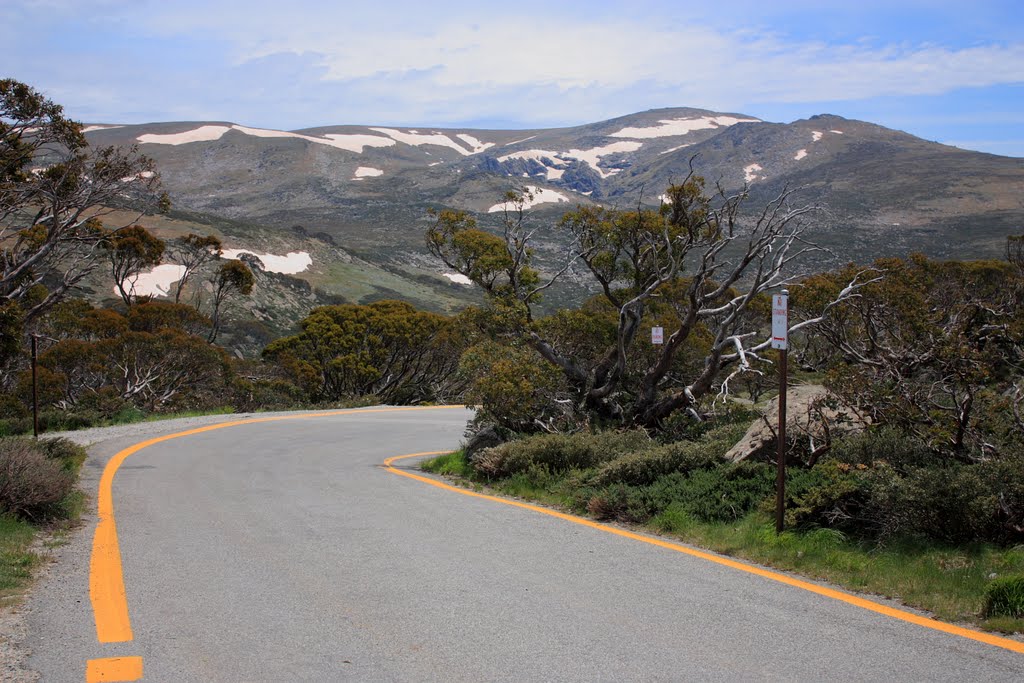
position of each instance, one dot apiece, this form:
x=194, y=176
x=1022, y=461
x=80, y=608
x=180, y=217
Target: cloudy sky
x=946, y=71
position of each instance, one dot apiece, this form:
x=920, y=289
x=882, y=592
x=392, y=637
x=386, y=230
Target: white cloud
x=500, y=51
x=303, y=63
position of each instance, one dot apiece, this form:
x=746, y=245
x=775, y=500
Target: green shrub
x=646, y=466
x=32, y=485
x=951, y=504
x=680, y=426
x=15, y=425
x=1004, y=476
x=832, y=495
x=886, y=445
x=69, y=454
x=723, y=493
x=557, y=452
x=1004, y=597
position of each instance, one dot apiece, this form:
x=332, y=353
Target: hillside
x=365, y=190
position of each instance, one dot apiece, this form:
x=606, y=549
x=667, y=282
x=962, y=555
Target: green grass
x=16, y=557
x=451, y=464
x=949, y=582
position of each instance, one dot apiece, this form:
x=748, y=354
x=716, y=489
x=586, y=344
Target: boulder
x=807, y=407
x=488, y=437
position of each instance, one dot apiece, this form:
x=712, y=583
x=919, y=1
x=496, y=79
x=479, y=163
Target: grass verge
x=948, y=581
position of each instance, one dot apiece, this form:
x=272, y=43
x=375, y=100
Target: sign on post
x=657, y=335
x=780, y=321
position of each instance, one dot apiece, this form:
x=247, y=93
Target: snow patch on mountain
x=458, y=278
x=554, y=165
x=800, y=155
x=543, y=156
x=816, y=135
x=516, y=142
x=354, y=142
x=156, y=282
x=474, y=144
x=675, y=149
x=540, y=195
x=200, y=134
x=591, y=157
x=437, y=139
x=672, y=127
x=750, y=172
x=367, y=172
x=288, y=264
x=351, y=143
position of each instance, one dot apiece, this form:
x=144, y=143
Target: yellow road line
x=113, y=669
x=106, y=579
x=902, y=615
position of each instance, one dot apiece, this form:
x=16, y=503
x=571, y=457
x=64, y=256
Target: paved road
x=282, y=551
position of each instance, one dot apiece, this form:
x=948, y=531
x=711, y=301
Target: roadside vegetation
x=37, y=492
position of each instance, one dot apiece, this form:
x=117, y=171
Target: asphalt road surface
x=283, y=551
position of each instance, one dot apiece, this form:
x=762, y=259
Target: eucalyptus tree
x=703, y=256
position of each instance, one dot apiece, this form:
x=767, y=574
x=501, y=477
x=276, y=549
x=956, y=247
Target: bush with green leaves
x=557, y=452
x=724, y=492
x=886, y=445
x=831, y=495
x=1004, y=597
x=646, y=466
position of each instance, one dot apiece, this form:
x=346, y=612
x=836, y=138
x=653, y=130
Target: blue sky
x=946, y=71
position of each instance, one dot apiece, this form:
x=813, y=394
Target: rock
x=488, y=437
x=800, y=420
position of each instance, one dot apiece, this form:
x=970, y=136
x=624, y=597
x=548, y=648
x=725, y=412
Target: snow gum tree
x=55, y=195
x=701, y=265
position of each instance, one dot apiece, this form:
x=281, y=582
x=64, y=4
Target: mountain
x=365, y=190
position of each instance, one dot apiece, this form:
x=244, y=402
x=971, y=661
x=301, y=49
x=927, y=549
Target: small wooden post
x=35, y=389
x=780, y=478
x=780, y=341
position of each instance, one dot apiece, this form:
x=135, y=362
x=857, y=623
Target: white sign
x=657, y=335
x=780, y=321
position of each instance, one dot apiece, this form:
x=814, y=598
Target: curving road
x=283, y=551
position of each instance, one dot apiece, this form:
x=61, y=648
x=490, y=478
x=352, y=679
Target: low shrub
x=32, y=485
x=724, y=492
x=69, y=454
x=646, y=466
x=1004, y=597
x=831, y=495
x=557, y=452
x=951, y=504
x=886, y=445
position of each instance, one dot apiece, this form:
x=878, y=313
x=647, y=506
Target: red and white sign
x=780, y=321
x=657, y=335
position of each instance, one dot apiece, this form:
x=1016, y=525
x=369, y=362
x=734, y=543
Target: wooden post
x=780, y=478
x=35, y=390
